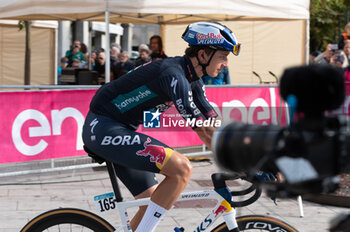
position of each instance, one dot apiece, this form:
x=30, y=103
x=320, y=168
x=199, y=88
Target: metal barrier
x=38, y=167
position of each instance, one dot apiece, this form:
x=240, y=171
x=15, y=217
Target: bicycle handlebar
x=219, y=182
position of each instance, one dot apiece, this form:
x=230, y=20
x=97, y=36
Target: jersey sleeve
x=180, y=92
x=201, y=101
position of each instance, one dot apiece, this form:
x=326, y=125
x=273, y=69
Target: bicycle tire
x=258, y=223
x=58, y=218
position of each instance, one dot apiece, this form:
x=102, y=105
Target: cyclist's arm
x=180, y=92
x=200, y=99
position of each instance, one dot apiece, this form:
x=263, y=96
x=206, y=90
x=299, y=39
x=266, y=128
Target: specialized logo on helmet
x=210, y=38
x=158, y=154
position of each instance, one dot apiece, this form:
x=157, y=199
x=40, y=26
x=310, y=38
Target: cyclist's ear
x=201, y=54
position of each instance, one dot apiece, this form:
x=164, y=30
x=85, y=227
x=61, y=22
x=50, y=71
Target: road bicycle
x=71, y=219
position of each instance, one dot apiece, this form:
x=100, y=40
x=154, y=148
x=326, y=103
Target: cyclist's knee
x=185, y=169
x=178, y=166
x=147, y=193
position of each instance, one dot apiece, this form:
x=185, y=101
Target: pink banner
x=250, y=105
x=39, y=125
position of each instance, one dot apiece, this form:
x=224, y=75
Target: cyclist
x=117, y=108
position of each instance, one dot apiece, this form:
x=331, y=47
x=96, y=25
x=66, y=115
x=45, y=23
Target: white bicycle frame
x=223, y=207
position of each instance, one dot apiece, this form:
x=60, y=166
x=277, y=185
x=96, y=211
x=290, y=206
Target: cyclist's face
x=218, y=62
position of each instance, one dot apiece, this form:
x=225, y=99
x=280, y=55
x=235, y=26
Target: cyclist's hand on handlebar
x=266, y=176
x=205, y=134
x=269, y=177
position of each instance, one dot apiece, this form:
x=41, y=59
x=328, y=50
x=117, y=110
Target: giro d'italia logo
x=151, y=119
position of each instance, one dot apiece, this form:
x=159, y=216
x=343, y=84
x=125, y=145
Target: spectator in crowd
x=344, y=36
x=84, y=50
x=115, y=52
x=346, y=52
x=123, y=66
x=63, y=64
x=144, y=55
x=74, y=53
x=346, y=65
x=76, y=43
x=223, y=78
x=347, y=76
x=158, y=56
x=341, y=58
x=143, y=47
x=156, y=46
x=76, y=63
x=100, y=64
x=313, y=55
x=100, y=50
x=337, y=59
x=78, y=57
x=325, y=57
x=93, y=58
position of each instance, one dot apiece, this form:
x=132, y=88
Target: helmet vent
x=226, y=36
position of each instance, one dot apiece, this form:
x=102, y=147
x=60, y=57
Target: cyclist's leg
x=177, y=172
x=116, y=143
x=142, y=209
x=141, y=184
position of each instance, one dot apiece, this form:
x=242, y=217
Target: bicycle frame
x=223, y=207
x=221, y=194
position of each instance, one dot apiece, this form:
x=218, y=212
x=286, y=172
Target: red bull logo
x=209, y=36
x=220, y=210
x=157, y=153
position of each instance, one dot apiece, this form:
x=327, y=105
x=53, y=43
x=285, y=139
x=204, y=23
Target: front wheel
x=68, y=220
x=257, y=223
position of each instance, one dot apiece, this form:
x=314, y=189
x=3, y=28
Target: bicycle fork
x=223, y=208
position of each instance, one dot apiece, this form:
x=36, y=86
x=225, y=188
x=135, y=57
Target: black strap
x=204, y=66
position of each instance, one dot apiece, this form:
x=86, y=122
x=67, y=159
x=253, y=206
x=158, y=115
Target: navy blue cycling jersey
x=154, y=86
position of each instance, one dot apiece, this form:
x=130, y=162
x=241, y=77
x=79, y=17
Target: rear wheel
x=258, y=223
x=68, y=220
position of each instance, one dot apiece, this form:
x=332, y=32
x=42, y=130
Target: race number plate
x=105, y=202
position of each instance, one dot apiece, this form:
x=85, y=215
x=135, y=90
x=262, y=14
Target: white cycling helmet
x=212, y=34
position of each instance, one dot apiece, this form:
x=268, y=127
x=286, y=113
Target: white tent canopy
x=151, y=11
x=173, y=12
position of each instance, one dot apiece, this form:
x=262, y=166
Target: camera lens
x=239, y=147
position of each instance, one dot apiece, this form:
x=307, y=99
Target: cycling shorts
x=136, y=156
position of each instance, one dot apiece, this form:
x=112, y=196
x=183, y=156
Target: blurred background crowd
x=120, y=63
x=336, y=54
x=78, y=59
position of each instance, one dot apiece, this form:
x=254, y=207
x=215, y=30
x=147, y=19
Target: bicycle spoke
x=68, y=228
